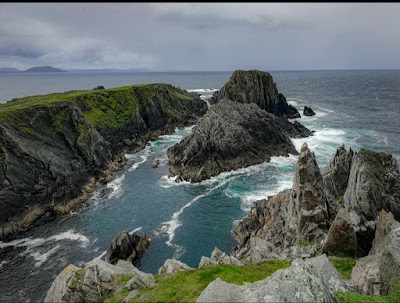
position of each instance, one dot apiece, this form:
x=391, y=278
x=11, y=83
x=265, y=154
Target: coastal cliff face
x=257, y=87
x=54, y=148
x=230, y=136
x=333, y=212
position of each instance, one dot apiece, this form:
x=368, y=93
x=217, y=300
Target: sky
x=201, y=36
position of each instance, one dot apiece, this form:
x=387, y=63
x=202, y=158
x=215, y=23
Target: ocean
x=186, y=221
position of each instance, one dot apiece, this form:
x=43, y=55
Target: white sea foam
x=172, y=225
x=101, y=255
x=136, y=230
x=43, y=257
x=203, y=90
x=33, y=245
x=3, y=263
x=116, y=186
x=321, y=137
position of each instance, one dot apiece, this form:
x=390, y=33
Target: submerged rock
x=257, y=87
x=126, y=247
x=313, y=280
x=307, y=111
x=230, y=136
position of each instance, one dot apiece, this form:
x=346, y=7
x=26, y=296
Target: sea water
x=186, y=221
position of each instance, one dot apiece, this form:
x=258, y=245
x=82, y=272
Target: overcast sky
x=201, y=36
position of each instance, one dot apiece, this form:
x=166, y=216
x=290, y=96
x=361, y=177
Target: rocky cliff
x=232, y=135
x=257, y=87
x=54, y=148
x=333, y=212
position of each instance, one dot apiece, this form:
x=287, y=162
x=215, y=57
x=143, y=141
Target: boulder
x=307, y=111
x=100, y=87
x=97, y=280
x=341, y=237
x=365, y=276
x=390, y=262
x=171, y=266
x=384, y=225
x=126, y=247
x=230, y=136
x=219, y=257
x=257, y=87
x=314, y=280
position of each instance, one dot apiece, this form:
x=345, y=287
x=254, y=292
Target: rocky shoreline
x=247, y=124
x=296, y=225
x=51, y=164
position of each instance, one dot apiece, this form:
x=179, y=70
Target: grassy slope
x=103, y=108
x=186, y=286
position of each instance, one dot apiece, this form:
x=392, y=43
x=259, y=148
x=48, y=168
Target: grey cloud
x=200, y=36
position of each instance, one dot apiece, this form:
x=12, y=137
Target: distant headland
x=35, y=69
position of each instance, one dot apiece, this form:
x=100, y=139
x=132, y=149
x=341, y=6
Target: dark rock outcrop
x=307, y=111
x=53, y=152
x=232, y=135
x=100, y=87
x=354, y=187
x=126, y=247
x=257, y=87
x=341, y=237
x=293, y=222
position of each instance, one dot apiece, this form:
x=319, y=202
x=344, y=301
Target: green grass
x=304, y=242
x=186, y=286
x=124, y=278
x=344, y=266
x=354, y=297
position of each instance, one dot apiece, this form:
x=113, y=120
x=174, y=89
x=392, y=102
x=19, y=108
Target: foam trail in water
x=29, y=242
x=203, y=90
x=170, y=226
x=41, y=258
x=136, y=230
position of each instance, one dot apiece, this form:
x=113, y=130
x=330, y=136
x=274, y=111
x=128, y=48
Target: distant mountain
x=9, y=70
x=43, y=69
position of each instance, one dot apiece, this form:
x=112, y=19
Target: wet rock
x=257, y=87
x=156, y=163
x=126, y=247
x=307, y=111
x=230, y=136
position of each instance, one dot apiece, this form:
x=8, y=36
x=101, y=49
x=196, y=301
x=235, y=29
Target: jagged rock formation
x=312, y=280
x=377, y=273
x=230, y=136
x=219, y=257
x=257, y=87
x=97, y=280
x=53, y=148
x=290, y=224
x=353, y=188
x=307, y=111
x=171, y=266
x=126, y=247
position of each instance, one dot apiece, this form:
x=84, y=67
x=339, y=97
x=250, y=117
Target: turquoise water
x=186, y=221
